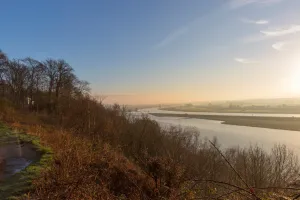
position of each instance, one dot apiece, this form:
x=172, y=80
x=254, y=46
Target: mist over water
x=231, y=135
x=156, y=110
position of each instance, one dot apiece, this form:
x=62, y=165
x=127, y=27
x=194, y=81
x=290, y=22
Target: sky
x=163, y=51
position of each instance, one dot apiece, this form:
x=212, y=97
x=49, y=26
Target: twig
x=296, y=197
x=228, y=193
x=277, y=188
x=184, y=193
x=236, y=172
x=223, y=183
x=220, y=196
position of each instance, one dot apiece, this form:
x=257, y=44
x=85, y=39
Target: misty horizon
x=165, y=52
x=112, y=99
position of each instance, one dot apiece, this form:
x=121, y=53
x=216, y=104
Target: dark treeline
x=47, y=87
x=39, y=85
x=176, y=162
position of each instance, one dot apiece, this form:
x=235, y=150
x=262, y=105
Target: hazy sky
x=158, y=51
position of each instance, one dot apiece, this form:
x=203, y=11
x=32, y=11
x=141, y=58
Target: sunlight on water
x=156, y=110
x=231, y=135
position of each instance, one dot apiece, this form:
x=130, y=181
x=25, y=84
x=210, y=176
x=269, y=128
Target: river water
x=156, y=110
x=231, y=135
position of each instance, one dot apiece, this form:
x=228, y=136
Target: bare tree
x=82, y=87
x=64, y=76
x=15, y=75
x=3, y=61
x=51, y=73
x=36, y=75
x=3, y=57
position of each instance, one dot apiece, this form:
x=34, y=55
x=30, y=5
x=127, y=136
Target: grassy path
x=21, y=182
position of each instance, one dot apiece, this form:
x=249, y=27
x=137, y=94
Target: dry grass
x=85, y=169
x=164, y=164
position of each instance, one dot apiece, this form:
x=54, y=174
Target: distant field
x=248, y=109
x=284, y=123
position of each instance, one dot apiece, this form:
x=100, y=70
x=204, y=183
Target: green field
x=284, y=123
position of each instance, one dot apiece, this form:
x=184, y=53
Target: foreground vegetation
x=102, y=152
x=284, y=123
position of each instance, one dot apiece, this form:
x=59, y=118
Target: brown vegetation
x=105, y=153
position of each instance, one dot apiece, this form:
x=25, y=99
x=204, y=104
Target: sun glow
x=295, y=77
x=295, y=84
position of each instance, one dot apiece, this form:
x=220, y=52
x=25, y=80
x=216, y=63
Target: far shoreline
x=282, y=123
x=230, y=111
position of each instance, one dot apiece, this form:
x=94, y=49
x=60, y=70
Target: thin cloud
x=172, y=37
x=269, y=34
x=282, y=31
x=241, y=3
x=245, y=61
x=254, y=38
x=185, y=29
x=290, y=45
x=258, y=22
x=279, y=46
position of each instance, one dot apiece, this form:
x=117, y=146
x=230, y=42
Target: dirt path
x=14, y=155
x=14, y=158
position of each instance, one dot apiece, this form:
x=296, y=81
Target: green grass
x=284, y=123
x=5, y=135
x=21, y=182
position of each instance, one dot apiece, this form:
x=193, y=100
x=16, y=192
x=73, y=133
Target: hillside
x=102, y=152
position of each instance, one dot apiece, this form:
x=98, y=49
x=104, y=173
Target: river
x=231, y=135
x=156, y=110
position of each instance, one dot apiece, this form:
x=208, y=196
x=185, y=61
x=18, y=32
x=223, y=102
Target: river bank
x=283, y=123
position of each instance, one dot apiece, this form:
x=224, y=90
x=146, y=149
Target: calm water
x=231, y=135
x=156, y=110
